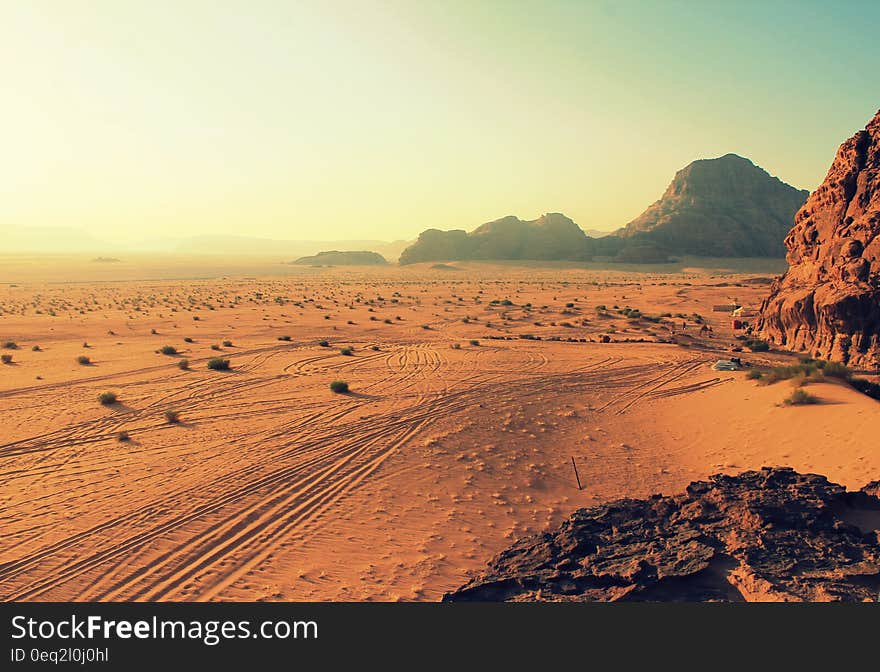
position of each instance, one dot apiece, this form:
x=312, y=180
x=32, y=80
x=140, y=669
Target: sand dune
x=272, y=487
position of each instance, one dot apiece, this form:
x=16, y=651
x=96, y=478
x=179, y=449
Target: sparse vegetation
x=339, y=386
x=807, y=371
x=10, y=345
x=183, y=365
x=6, y=358
x=474, y=342
x=866, y=386
x=756, y=345
x=227, y=344
x=284, y=338
x=218, y=364
x=754, y=374
x=123, y=437
x=172, y=417
x=800, y=397
x=107, y=398
x=348, y=352
x=83, y=360
x=324, y=344
x=168, y=350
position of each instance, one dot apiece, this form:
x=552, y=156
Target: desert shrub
x=227, y=344
x=168, y=350
x=183, y=364
x=36, y=348
x=324, y=344
x=474, y=342
x=188, y=339
x=374, y=348
x=214, y=346
x=754, y=374
x=800, y=397
x=456, y=346
x=348, y=352
x=757, y=345
x=801, y=373
x=339, y=386
x=835, y=370
x=10, y=345
x=172, y=417
x=866, y=386
x=123, y=437
x=6, y=359
x=284, y=338
x=107, y=398
x=799, y=379
x=218, y=364
x=82, y=359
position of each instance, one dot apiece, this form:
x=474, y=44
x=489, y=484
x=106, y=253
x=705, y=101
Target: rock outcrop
x=768, y=535
x=552, y=236
x=828, y=302
x=336, y=258
x=724, y=207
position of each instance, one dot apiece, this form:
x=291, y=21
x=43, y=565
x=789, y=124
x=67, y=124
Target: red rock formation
x=828, y=303
x=724, y=207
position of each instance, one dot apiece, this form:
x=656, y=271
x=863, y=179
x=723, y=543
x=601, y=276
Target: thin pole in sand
x=576, y=475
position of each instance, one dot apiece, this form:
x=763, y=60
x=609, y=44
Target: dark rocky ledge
x=768, y=535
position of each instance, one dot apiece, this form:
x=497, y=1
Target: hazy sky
x=332, y=119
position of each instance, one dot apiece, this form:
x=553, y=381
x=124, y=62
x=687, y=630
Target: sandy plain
x=457, y=437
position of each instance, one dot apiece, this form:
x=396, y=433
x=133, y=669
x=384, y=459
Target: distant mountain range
x=724, y=207
x=550, y=237
x=336, y=258
x=59, y=240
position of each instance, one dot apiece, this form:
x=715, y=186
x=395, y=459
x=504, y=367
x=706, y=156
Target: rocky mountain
x=336, y=258
x=768, y=535
x=828, y=302
x=552, y=236
x=724, y=207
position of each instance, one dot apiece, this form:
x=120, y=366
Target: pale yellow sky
x=363, y=119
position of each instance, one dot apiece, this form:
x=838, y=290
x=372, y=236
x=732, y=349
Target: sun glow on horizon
x=366, y=120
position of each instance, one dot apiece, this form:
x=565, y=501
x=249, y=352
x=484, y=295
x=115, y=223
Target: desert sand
x=457, y=435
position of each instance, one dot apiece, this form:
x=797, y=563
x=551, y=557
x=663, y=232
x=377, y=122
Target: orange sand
x=274, y=488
